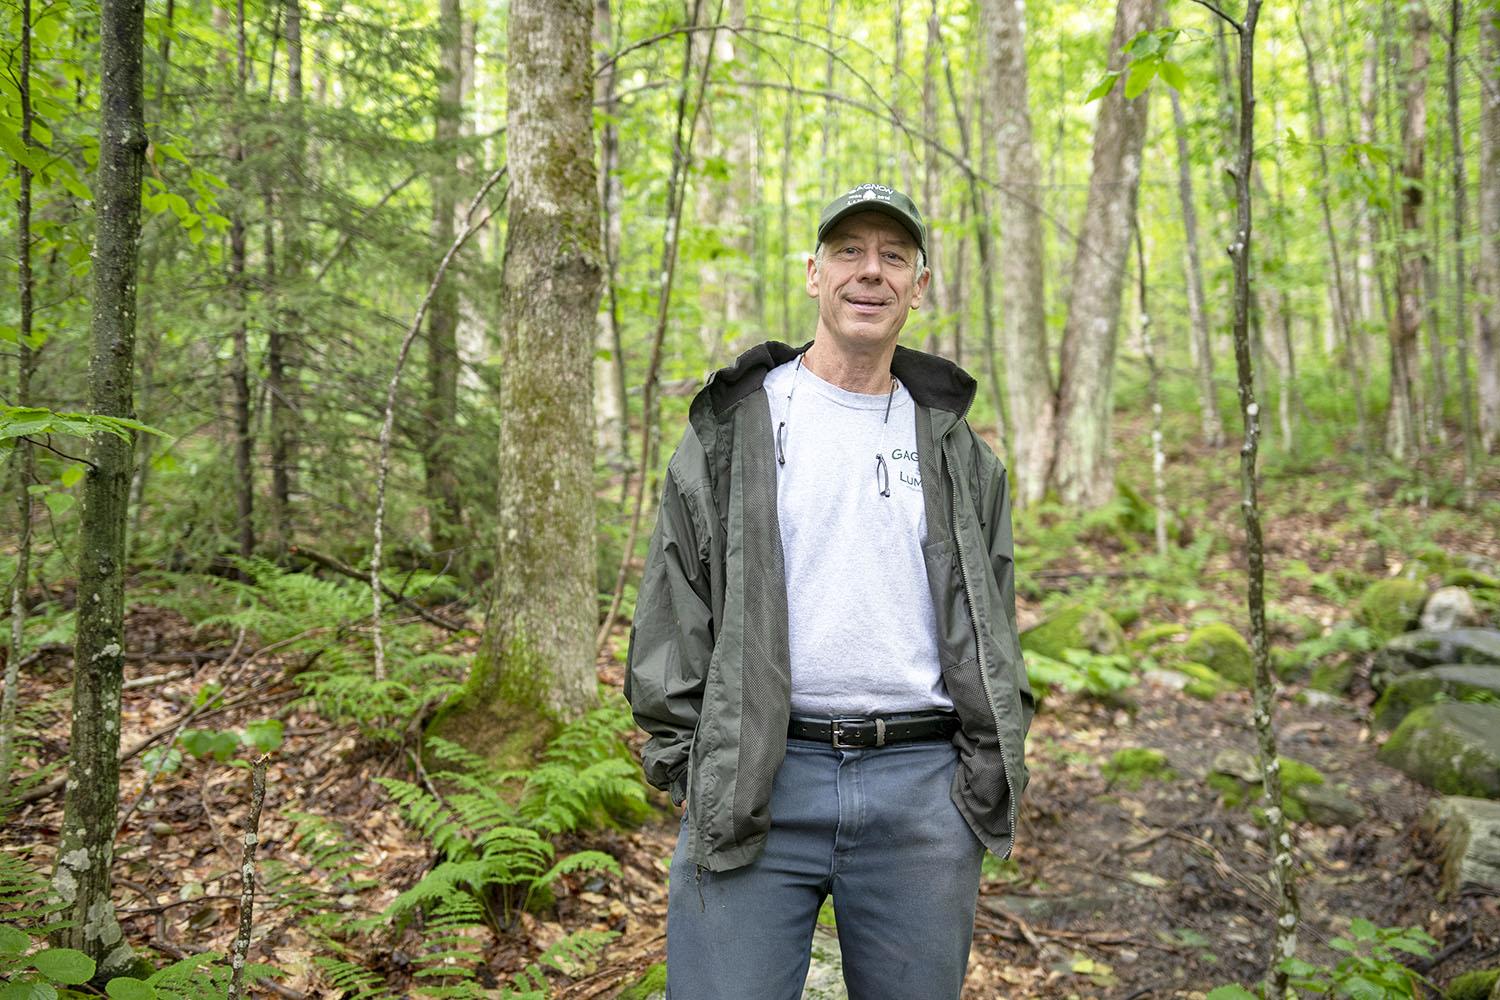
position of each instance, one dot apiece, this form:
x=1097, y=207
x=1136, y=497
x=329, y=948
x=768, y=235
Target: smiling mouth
x=866, y=305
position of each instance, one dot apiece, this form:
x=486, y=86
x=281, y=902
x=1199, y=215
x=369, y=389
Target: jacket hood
x=934, y=382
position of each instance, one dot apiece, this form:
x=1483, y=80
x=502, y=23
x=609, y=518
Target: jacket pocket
x=955, y=625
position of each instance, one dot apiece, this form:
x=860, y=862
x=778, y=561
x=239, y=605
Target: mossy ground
x=1223, y=650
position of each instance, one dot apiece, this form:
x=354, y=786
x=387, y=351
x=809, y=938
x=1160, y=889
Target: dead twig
x=247, y=878
x=344, y=569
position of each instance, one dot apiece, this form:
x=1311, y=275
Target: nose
x=869, y=265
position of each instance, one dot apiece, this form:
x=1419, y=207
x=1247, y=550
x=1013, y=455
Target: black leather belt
x=879, y=731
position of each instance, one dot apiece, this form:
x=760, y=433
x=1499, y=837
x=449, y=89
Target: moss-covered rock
x=652, y=985
x=1224, y=651
x=1154, y=635
x=1453, y=682
x=1471, y=578
x=1420, y=650
x=1134, y=766
x=1451, y=746
x=1078, y=626
x=1202, y=683
x=1475, y=985
x=1390, y=607
x=1235, y=775
x=1332, y=676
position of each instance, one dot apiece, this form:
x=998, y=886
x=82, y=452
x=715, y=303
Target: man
x=825, y=650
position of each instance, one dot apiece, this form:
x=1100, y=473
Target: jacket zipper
x=984, y=677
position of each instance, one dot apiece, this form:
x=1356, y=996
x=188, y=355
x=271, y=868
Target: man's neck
x=855, y=373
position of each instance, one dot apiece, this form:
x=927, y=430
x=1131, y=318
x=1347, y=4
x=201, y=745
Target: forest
x=343, y=347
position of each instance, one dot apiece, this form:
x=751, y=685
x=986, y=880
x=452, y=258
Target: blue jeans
x=878, y=830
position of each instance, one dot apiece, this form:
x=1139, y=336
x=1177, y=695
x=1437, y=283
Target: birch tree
x=1489, y=230
x=1403, y=424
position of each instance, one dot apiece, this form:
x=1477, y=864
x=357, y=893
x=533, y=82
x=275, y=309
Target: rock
x=1235, y=775
x=1155, y=635
x=1202, y=682
x=1327, y=805
x=1133, y=766
x=1449, y=608
x=1451, y=746
x=1467, y=831
x=1453, y=682
x=1076, y=627
x=1390, y=607
x=1239, y=764
x=1423, y=649
x=1332, y=676
x=1222, y=650
x=1313, y=698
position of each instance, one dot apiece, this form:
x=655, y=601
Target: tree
x=1489, y=231
x=1029, y=385
x=1208, y=403
x=1283, y=867
x=81, y=880
x=1083, y=469
x=1403, y=424
x=444, y=509
x=538, y=644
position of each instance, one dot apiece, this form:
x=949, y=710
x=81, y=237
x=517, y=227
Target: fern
x=325, y=623
x=349, y=980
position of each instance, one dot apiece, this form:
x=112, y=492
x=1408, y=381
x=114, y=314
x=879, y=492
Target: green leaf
x=1173, y=75
x=59, y=503
x=265, y=735
x=1362, y=929
x=1143, y=45
x=29, y=990
x=1232, y=992
x=162, y=760
x=1103, y=87
x=72, y=474
x=64, y=965
x=125, y=988
x=1140, y=77
x=206, y=743
x=13, y=941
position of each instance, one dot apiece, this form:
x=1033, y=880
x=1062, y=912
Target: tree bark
x=81, y=880
x=1489, y=231
x=239, y=368
x=25, y=457
x=1029, y=384
x=1083, y=470
x=612, y=429
x=938, y=287
x=444, y=507
x=1342, y=313
x=1203, y=354
x=1460, y=275
x=1283, y=865
x=1403, y=424
x=285, y=334
x=538, y=644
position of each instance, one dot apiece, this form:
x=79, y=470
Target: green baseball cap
x=875, y=198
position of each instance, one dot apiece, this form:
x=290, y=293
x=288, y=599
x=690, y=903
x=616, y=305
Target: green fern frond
x=593, y=861
x=349, y=980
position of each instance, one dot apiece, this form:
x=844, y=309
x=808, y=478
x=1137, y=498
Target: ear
x=921, y=289
x=812, y=278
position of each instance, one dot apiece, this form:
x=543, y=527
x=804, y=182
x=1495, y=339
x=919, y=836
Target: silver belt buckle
x=836, y=728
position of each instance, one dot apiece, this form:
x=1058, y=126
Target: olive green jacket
x=709, y=674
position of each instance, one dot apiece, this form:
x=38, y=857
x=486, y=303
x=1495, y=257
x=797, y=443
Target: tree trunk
x=943, y=306
x=1029, y=385
x=444, y=507
x=538, y=644
x=1460, y=275
x=81, y=880
x=1083, y=470
x=612, y=430
x=1153, y=373
x=1203, y=354
x=1403, y=424
x=829, y=160
x=1283, y=866
x=1371, y=290
x=285, y=334
x=239, y=368
x=1489, y=231
x=25, y=457
x=1342, y=313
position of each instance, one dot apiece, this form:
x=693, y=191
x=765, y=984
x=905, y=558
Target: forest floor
x=1117, y=892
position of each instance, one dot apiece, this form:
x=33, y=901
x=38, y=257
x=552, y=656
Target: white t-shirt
x=862, y=626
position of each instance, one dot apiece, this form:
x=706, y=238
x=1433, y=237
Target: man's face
x=868, y=282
